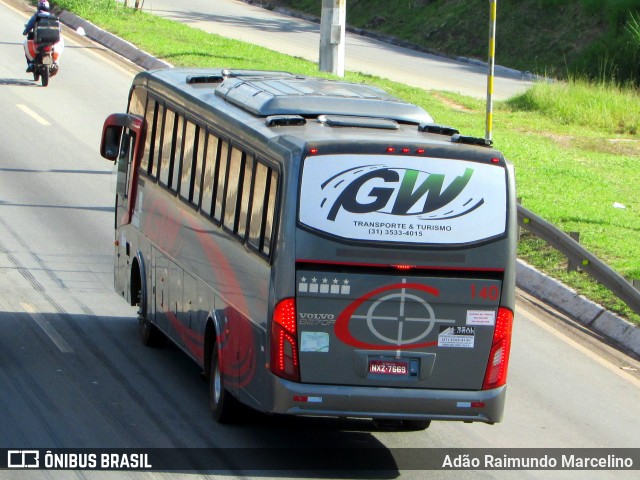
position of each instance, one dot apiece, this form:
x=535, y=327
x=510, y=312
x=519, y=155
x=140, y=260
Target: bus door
x=121, y=143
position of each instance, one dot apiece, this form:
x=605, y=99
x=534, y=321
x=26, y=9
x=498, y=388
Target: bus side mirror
x=110, y=144
x=112, y=130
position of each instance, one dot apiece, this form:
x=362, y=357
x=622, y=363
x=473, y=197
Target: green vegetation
x=558, y=38
x=574, y=145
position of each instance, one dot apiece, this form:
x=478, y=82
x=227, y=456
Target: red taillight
x=496, y=374
x=284, y=341
x=313, y=151
x=391, y=149
x=47, y=48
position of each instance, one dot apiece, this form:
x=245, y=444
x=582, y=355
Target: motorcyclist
x=43, y=10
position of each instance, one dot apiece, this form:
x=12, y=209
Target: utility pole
x=332, y=36
x=492, y=64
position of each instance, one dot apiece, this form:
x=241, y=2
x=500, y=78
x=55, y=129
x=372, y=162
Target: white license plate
x=388, y=367
x=47, y=60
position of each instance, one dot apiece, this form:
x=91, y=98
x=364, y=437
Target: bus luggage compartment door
x=395, y=330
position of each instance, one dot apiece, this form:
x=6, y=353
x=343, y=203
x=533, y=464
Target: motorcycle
x=44, y=45
x=44, y=63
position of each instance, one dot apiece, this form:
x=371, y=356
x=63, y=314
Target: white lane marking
x=608, y=365
x=47, y=328
x=33, y=115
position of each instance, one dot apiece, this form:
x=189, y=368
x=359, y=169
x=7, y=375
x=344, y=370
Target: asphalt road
x=72, y=371
x=300, y=38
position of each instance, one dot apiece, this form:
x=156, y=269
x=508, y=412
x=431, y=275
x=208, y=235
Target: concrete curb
x=580, y=308
x=541, y=286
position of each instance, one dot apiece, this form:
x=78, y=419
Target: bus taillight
x=284, y=343
x=496, y=374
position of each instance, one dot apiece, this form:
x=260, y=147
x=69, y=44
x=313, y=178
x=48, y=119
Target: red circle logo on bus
x=402, y=295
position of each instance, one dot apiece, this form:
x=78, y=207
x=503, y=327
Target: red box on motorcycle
x=47, y=30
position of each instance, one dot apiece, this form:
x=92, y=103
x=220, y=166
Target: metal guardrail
x=577, y=254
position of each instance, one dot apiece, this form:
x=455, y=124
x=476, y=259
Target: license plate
x=388, y=367
x=47, y=60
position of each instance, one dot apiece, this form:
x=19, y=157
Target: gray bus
x=318, y=247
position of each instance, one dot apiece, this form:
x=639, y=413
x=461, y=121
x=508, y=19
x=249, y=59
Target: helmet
x=43, y=5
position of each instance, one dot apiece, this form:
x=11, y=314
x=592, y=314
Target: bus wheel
x=402, y=425
x=223, y=405
x=415, y=425
x=150, y=335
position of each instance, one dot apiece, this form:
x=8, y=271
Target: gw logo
x=398, y=192
x=23, y=459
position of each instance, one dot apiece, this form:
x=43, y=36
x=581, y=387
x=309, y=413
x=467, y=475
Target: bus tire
x=149, y=334
x=415, y=425
x=223, y=405
x=402, y=425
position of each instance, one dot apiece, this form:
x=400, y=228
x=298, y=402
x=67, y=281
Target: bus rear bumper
x=292, y=398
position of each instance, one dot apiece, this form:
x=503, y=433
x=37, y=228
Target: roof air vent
x=483, y=142
x=362, y=122
x=199, y=79
x=285, y=121
x=437, y=129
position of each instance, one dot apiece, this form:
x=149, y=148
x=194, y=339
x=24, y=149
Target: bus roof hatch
x=294, y=95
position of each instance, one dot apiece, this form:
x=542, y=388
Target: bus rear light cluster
x=406, y=150
x=498, y=365
x=284, y=341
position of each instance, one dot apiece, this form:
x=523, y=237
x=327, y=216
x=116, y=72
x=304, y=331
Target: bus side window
x=188, y=158
x=159, y=125
x=199, y=161
x=220, y=181
x=168, y=147
x=244, y=202
x=232, y=191
x=151, y=116
x=137, y=101
x=270, y=212
x=176, y=158
x=210, y=167
x=258, y=202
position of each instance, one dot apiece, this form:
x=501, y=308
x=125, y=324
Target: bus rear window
x=403, y=199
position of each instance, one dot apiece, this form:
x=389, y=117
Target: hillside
x=552, y=37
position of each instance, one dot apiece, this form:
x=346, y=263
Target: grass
x=553, y=37
x=574, y=145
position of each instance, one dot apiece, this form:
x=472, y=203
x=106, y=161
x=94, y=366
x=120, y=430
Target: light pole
x=492, y=64
x=332, y=36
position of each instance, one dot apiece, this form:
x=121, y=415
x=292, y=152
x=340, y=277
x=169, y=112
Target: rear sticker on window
x=314, y=342
x=403, y=199
x=456, y=337
x=481, y=317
